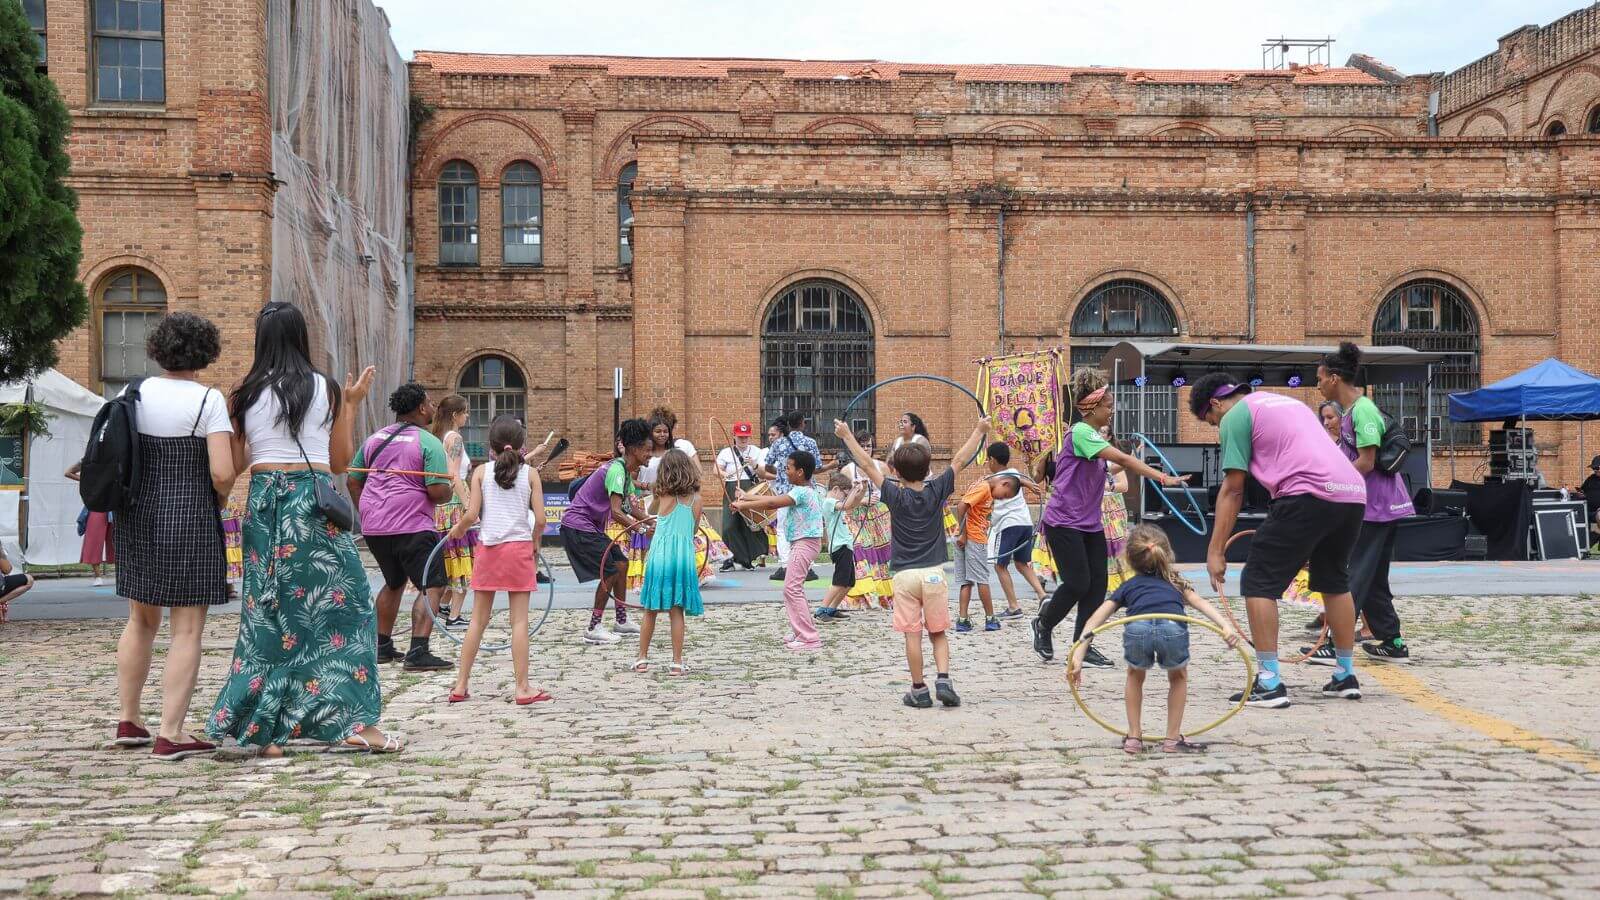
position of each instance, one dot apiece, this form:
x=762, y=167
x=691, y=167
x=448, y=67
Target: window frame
x=484, y=403
x=507, y=226
x=40, y=30
x=1088, y=345
x=96, y=34
x=1449, y=310
x=471, y=205
x=826, y=324
x=626, y=176
x=105, y=308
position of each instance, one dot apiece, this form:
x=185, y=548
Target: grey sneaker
x=946, y=692
x=918, y=698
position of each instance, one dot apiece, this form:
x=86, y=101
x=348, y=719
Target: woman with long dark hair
x=305, y=666
x=449, y=417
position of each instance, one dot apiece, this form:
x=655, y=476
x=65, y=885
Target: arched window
x=458, y=215
x=522, y=215
x=1122, y=310
x=129, y=52
x=817, y=354
x=625, y=213
x=131, y=301
x=1555, y=129
x=1433, y=316
x=493, y=386
x=1593, y=125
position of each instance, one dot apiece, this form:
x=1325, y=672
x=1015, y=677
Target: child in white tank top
x=503, y=493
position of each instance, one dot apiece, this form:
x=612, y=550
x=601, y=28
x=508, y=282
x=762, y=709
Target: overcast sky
x=1411, y=35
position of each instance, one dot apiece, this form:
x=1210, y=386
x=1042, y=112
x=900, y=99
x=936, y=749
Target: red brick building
x=747, y=235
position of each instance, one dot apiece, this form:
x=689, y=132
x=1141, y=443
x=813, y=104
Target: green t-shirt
x=1367, y=423
x=1086, y=441
x=839, y=533
x=1234, y=433
x=617, y=480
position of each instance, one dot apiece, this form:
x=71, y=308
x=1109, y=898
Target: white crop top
x=270, y=440
x=505, y=515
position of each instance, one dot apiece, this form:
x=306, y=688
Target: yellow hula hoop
x=1249, y=670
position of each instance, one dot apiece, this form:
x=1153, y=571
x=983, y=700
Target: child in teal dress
x=671, y=576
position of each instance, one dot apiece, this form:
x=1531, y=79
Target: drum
x=759, y=519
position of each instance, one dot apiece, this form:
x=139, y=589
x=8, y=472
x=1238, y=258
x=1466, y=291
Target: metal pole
x=22, y=501
x=616, y=402
x=1002, y=276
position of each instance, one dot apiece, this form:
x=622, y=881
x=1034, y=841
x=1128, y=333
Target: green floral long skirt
x=305, y=666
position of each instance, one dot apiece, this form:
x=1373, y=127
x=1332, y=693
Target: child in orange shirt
x=973, y=565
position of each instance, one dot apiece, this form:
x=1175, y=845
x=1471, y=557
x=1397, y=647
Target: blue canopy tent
x=1549, y=391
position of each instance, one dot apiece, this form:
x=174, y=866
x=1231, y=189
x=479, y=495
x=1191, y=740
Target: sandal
x=391, y=744
x=1132, y=746
x=641, y=665
x=536, y=697
x=678, y=668
x=457, y=698
x=1182, y=745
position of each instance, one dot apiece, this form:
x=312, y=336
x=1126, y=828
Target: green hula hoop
x=1249, y=670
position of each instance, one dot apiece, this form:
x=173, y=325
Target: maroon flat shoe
x=169, y=751
x=537, y=697
x=131, y=735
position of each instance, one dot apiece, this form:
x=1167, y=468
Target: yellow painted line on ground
x=1417, y=691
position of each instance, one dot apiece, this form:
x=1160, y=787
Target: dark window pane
x=154, y=90
x=152, y=55
x=127, y=15
x=150, y=15
x=106, y=84
x=128, y=53
x=105, y=15
x=34, y=9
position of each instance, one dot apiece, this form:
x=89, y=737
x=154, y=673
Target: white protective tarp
x=53, y=502
x=340, y=118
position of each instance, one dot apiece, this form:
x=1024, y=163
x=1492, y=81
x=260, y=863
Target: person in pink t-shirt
x=1318, y=499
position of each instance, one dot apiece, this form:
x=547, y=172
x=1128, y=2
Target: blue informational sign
x=10, y=459
x=555, y=503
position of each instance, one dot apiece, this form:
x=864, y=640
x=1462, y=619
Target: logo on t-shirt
x=1370, y=429
x=1334, y=487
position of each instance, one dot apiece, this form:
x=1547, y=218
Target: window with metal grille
x=521, y=215
x=1431, y=316
x=1593, y=125
x=493, y=386
x=1555, y=129
x=625, y=213
x=131, y=302
x=1121, y=310
x=458, y=215
x=817, y=353
x=34, y=10
x=129, y=52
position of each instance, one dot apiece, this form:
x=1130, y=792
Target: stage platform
x=1421, y=538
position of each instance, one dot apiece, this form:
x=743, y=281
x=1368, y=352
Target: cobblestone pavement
x=1472, y=772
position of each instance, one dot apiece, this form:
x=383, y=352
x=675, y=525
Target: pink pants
x=801, y=553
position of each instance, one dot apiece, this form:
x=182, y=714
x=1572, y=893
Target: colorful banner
x=1022, y=395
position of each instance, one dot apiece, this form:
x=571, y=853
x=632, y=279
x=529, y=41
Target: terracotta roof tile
x=861, y=69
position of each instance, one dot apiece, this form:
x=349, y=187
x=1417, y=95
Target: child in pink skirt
x=508, y=545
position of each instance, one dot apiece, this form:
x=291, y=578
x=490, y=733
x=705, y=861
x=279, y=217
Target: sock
x=944, y=676
x=385, y=640
x=919, y=686
x=594, y=617
x=1267, y=666
x=1346, y=662
x=622, y=615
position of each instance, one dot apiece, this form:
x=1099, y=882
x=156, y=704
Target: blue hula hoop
x=1188, y=491
x=845, y=416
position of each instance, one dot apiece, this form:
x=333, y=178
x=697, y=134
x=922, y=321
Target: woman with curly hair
x=169, y=541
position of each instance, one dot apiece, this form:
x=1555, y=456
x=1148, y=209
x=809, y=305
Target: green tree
x=41, y=300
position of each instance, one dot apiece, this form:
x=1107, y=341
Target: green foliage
x=24, y=418
x=41, y=300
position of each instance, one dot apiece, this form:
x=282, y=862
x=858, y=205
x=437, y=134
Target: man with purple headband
x=1318, y=499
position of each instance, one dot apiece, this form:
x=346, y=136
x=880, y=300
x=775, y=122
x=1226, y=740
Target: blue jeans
x=1150, y=641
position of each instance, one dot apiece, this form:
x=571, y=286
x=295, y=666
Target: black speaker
x=1433, y=502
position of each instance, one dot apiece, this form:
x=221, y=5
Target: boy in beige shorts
x=917, y=553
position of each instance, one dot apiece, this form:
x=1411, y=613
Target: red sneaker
x=171, y=752
x=131, y=735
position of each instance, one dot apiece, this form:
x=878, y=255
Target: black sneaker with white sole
x=1265, y=698
x=1324, y=656
x=422, y=661
x=1094, y=659
x=1393, y=650
x=1042, y=644
x=1346, y=688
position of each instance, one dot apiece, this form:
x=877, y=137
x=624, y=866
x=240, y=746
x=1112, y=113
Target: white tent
x=53, y=502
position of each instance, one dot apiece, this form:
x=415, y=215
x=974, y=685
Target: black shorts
x=402, y=558
x=1014, y=545
x=9, y=583
x=844, y=567
x=1301, y=529
x=585, y=549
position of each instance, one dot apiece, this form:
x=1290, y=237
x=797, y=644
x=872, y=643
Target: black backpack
x=109, y=477
x=1395, y=448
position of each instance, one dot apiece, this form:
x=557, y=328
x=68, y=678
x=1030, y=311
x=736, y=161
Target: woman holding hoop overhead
x=1073, y=523
x=1318, y=499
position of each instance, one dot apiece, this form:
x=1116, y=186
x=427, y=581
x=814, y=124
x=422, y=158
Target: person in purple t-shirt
x=1317, y=502
x=1073, y=527
x=1361, y=433
x=605, y=495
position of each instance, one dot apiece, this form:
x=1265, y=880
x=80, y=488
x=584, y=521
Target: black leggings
x=1080, y=558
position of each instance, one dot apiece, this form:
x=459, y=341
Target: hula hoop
x=1222, y=600
x=1249, y=671
x=486, y=646
x=1187, y=490
x=845, y=416
x=628, y=533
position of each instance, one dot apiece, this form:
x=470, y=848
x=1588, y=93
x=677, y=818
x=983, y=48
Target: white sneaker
x=599, y=635
x=626, y=628
x=99, y=582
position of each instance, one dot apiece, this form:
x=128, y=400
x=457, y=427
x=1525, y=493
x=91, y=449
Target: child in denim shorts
x=1155, y=588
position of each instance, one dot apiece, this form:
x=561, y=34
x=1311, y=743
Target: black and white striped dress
x=170, y=549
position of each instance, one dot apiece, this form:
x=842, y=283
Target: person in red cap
x=738, y=466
